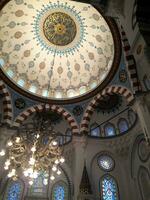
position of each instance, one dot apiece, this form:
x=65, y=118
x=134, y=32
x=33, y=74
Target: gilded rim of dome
x=117, y=56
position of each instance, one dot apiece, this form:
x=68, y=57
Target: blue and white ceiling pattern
x=43, y=56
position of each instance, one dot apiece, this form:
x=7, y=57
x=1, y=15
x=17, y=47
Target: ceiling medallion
x=59, y=28
x=58, y=51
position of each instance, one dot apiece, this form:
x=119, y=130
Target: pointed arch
x=39, y=188
x=123, y=125
x=109, y=188
x=144, y=183
x=41, y=107
x=115, y=89
x=60, y=191
x=7, y=110
x=14, y=190
x=134, y=150
x=95, y=130
x=130, y=62
x=109, y=129
x=67, y=173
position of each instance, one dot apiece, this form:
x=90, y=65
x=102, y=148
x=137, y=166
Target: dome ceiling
x=57, y=50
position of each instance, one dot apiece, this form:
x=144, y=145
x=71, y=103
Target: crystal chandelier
x=34, y=151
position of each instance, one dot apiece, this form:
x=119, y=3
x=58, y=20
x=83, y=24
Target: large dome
x=56, y=50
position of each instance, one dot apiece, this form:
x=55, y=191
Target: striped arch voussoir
x=91, y=107
x=7, y=106
x=39, y=108
x=130, y=62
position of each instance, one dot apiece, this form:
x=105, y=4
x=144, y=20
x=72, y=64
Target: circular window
x=106, y=162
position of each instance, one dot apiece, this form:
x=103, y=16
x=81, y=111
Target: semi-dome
x=55, y=50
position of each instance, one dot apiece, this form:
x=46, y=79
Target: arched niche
x=144, y=183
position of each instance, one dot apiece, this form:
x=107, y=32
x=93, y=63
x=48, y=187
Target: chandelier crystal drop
x=34, y=151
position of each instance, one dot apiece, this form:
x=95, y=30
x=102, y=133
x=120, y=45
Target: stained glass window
x=33, y=89
x=45, y=93
x=14, y=191
x=109, y=189
x=2, y=62
x=58, y=94
x=109, y=130
x=95, y=130
x=21, y=82
x=38, y=188
x=10, y=73
x=122, y=125
x=60, y=191
x=68, y=135
x=105, y=162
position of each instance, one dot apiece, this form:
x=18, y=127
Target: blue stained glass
x=69, y=135
x=95, y=130
x=38, y=188
x=59, y=193
x=109, y=130
x=123, y=125
x=109, y=189
x=14, y=192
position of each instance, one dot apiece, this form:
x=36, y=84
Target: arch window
x=2, y=62
x=123, y=125
x=61, y=140
x=33, y=89
x=109, y=130
x=21, y=82
x=45, y=93
x=82, y=89
x=71, y=93
x=131, y=116
x=68, y=135
x=39, y=188
x=14, y=190
x=58, y=94
x=60, y=191
x=10, y=73
x=108, y=188
x=144, y=183
x=95, y=130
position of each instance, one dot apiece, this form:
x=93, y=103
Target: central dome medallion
x=56, y=51
x=59, y=28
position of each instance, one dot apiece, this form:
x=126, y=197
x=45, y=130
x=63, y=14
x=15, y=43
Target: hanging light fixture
x=34, y=151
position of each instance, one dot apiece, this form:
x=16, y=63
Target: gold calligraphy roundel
x=59, y=28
